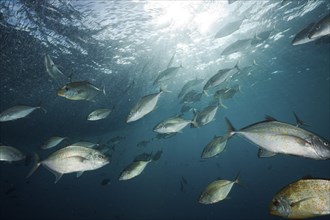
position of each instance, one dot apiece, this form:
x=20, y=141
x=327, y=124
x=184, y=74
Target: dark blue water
x=122, y=46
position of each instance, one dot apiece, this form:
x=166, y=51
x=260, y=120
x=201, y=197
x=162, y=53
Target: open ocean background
x=122, y=46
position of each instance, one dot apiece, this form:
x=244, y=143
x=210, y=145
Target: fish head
x=321, y=147
x=280, y=206
x=67, y=92
x=99, y=159
x=317, y=31
x=133, y=116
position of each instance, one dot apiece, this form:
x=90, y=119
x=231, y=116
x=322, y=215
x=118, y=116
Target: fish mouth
x=60, y=92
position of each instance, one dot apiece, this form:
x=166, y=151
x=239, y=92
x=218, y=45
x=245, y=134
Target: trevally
x=216, y=191
x=145, y=105
x=171, y=125
x=71, y=159
x=214, y=147
x=52, y=69
x=17, y=112
x=10, y=154
x=52, y=142
x=167, y=74
x=229, y=28
x=188, y=85
x=99, y=114
x=275, y=137
x=134, y=169
x=206, y=115
x=81, y=90
x=305, y=198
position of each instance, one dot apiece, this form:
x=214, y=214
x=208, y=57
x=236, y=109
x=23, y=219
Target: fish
x=205, y=116
x=84, y=144
x=52, y=142
x=17, y=112
x=237, y=46
x=116, y=140
x=261, y=37
x=217, y=191
x=52, y=69
x=10, y=154
x=302, y=36
x=138, y=165
x=321, y=28
x=167, y=74
x=214, y=147
x=275, y=137
x=305, y=198
x=181, y=186
x=144, y=106
x=99, y=114
x=221, y=76
x=185, y=108
x=184, y=180
x=171, y=125
x=188, y=85
x=143, y=143
x=229, y=28
x=71, y=159
x=81, y=90
x=226, y=93
x=192, y=96
x=164, y=136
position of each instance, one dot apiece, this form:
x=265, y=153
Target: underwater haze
x=121, y=51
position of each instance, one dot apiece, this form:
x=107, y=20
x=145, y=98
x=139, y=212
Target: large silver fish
x=216, y=191
x=134, y=169
x=71, y=159
x=52, y=69
x=145, y=105
x=81, y=90
x=171, y=125
x=10, y=154
x=321, y=28
x=220, y=77
x=17, y=112
x=275, y=137
x=214, y=147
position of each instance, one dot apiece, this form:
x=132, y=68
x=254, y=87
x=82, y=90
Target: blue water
x=122, y=46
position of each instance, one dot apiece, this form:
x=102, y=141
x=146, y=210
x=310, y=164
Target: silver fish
x=171, y=125
x=167, y=74
x=220, y=77
x=52, y=142
x=216, y=191
x=274, y=137
x=237, y=46
x=145, y=105
x=71, y=159
x=139, y=164
x=191, y=97
x=229, y=28
x=17, y=112
x=99, y=114
x=205, y=116
x=52, y=69
x=81, y=90
x=8, y=153
x=188, y=85
x=321, y=28
x=84, y=144
x=214, y=147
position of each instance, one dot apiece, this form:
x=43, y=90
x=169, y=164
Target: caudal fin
x=230, y=129
x=35, y=166
x=157, y=155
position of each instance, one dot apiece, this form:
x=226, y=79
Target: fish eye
x=325, y=143
x=100, y=156
x=276, y=203
x=66, y=88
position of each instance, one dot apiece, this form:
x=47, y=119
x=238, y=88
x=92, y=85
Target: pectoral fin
x=293, y=204
x=265, y=153
x=296, y=139
x=79, y=173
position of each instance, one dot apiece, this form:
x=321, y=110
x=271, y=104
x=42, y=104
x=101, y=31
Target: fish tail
x=103, y=91
x=236, y=66
x=221, y=104
x=35, y=166
x=157, y=155
x=237, y=179
x=163, y=89
x=205, y=92
x=230, y=129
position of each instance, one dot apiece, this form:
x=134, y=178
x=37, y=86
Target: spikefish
x=304, y=198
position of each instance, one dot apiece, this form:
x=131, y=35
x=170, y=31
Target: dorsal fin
x=269, y=118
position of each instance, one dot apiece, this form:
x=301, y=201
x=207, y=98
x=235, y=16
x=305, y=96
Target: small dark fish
x=181, y=186
x=105, y=182
x=10, y=191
